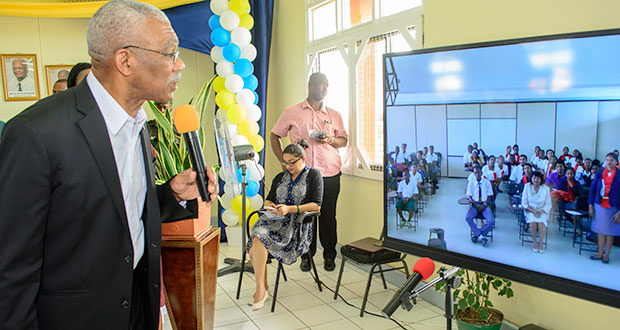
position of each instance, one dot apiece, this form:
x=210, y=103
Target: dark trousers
x=137, y=316
x=327, y=220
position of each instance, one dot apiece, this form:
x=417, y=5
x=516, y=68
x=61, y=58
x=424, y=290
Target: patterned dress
x=279, y=235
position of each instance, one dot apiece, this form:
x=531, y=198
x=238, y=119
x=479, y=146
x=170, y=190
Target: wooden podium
x=190, y=279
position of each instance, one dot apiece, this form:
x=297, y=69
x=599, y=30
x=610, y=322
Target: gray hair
x=117, y=24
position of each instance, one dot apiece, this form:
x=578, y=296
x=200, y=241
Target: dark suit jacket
x=614, y=191
x=65, y=248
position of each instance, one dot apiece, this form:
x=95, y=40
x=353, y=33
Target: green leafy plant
x=472, y=298
x=172, y=155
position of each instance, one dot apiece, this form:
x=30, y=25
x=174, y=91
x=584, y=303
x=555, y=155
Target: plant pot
x=191, y=228
x=463, y=325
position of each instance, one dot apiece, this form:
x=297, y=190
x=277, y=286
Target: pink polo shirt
x=298, y=120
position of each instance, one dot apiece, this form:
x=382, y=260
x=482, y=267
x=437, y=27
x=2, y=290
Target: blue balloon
x=250, y=82
x=220, y=37
x=252, y=189
x=239, y=175
x=243, y=67
x=231, y=52
x=255, y=97
x=214, y=22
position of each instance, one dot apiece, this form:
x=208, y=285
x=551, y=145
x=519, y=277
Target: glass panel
x=324, y=20
x=356, y=12
x=391, y=7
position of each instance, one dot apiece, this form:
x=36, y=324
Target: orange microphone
x=187, y=122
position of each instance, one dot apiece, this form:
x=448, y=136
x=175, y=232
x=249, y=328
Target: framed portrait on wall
x=54, y=73
x=20, y=77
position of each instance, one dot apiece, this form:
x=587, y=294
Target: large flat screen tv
x=552, y=92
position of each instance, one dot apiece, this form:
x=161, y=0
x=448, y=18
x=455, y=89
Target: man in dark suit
x=80, y=215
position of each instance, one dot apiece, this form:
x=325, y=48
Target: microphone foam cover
x=185, y=118
x=424, y=266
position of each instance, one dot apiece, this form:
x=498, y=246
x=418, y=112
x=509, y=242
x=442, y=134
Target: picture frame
x=54, y=73
x=20, y=77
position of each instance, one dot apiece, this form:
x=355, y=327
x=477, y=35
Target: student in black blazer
x=66, y=248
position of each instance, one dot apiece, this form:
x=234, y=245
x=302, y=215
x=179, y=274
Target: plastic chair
x=302, y=218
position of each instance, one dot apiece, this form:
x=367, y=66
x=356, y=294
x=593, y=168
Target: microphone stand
x=452, y=280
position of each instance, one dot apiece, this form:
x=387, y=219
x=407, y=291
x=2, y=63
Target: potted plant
x=172, y=158
x=473, y=307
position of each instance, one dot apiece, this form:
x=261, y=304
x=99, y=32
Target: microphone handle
x=198, y=163
x=403, y=292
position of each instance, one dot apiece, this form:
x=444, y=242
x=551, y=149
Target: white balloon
x=245, y=97
x=240, y=36
x=256, y=171
x=229, y=189
x=248, y=52
x=229, y=20
x=226, y=201
x=253, y=112
x=224, y=69
x=232, y=129
x=219, y=6
x=239, y=140
x=216, y=54
x=221, y=114
x=256, y=202
x=234, y=84
x=230, y=218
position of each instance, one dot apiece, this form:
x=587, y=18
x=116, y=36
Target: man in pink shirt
x=300, y=121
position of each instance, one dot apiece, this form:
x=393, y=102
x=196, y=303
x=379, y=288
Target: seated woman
x=527, y=176
x=537, y=203
x=296, y=190
x=604, y=206
x=492, y=173
x=551, y=166
x=585, y=177
x=503, y=168
x=569, y=190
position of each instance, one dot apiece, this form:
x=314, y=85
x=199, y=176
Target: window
x=346, y=41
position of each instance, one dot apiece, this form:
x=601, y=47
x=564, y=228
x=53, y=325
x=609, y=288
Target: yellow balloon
x=257, y=142
x=224, y=99
x=248, y=128
x=246, y=21
x=239, y=6
x=218, y=84
x=237, y=204
x=236, y=114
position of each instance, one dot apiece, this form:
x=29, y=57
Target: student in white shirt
x=406, y=202
x=480, y=194
x=492, y=173
x=542, y=161
x=467, y=156
x=517, y=171
x=417, y=179
x=586, y=175
x=550, y=166
x=535, y=156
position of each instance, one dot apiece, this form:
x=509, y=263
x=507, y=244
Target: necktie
x=19, y=86
x=479, y=192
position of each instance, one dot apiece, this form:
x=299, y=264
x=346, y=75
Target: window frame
x=345, y=40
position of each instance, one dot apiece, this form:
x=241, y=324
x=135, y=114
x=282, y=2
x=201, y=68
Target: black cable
x=348, y=303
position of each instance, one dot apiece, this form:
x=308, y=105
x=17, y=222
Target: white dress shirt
x=488, y=174
x=416, y=178
x=467, y=158
x=517, y=173
x=407, y=189
x=431, y=157
x=475, y=187
x=124, y=133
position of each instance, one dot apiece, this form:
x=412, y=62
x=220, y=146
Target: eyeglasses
x=285, y=163
x=174, y=56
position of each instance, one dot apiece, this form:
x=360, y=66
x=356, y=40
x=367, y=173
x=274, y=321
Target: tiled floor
x=300, y=305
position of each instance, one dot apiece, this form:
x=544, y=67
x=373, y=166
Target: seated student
x=550, y=167
x=515, y=153
x=555, y=178
x=516, y=173
x=433, y=164
x=503, y=168
x=406, y=201
x=467, y=157
x=527, y=175
x=492, y=173
x=417, y=178
x=578, y=163
x=399, y=161
x=297, y=189
x=508, y=152
x=422, y=164
x=535, y=156
x=537, y=203
x=480, y=194
x=406, y=158
x=566, y=157
x=568, y=192
x=542, y=161
x=425, y=149
x=587, y=174
x=481, y=152
x=475, y=158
